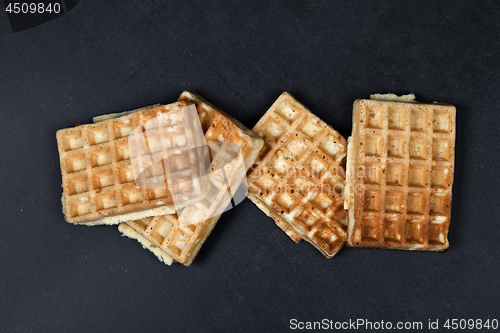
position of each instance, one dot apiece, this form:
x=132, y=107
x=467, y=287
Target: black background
x=110, y=56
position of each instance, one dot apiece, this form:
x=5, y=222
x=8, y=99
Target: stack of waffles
x=390, y=187
x=169, y=234
x=99, y=186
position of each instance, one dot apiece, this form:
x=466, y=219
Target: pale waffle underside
x=166, y=237
x=130, y=232
x=182, y=243
x=299, y=178
x=98, y=182
x=400, y=174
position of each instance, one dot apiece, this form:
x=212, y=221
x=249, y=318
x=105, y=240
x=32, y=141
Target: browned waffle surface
x=400, y=174
x=97, y=175
x=173, y=234
x=221, y=127
x=299, y=178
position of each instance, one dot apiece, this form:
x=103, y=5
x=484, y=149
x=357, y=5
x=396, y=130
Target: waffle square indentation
x=75, y=162
x=415, y=233
x=323, y=201
x=394, y=202
x=440, y=177
x=155, y=169
x=395, y=174
x=97, y=135
x=369, y=228
x=286, y=112
x=303, y=185
x=417, y=175
x=327, y=235
x=439, y=203
x=373, y=200
x=174, y=140
x=153, y=142
x=77, y=184
x=317, y=165
x=122, y=151
x=264, y=183
x=286, y=202
x=131, y=195
x=374, y=145
x=441, y=122
x=419, y=121
x=311, y=128
x=162, y=229
x=307, y=218
x=373, y=173
x=437, y=230
x=272, y=130
x=125, y=174
x=158, y=193
x=177, y=162
x=418, y=148
x=105, y=200
x=122, y=128
x=148, y=121
x=441, y=150
x=333, y=148
x=79, y=206
x=395, y=146
x=416, y=203
x=141, y=224
x=72, y=140
x=335, y=182
x=393, y=228
x=374, y=117
x=296, y=147
x=178, y=241
x=102, y=178
x=100, y=157
x=280, y=163
x=397, y=118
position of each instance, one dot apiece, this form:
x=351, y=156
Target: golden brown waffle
x=98, y=181
x=180, y=241
x=400, y=174
x=299, y=179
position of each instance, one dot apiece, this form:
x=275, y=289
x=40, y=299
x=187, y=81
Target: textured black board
x=110, y=56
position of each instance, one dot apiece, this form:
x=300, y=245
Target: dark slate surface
x=109, y=56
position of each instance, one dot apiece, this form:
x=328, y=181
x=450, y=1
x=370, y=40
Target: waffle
x=400, y=174
x=98, y=179
x=299, y=179
x=176, y=235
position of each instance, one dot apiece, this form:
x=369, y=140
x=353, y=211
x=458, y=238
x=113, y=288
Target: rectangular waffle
x=97, y=177
x=180, y=241
x=299, y=179
x=400, y=174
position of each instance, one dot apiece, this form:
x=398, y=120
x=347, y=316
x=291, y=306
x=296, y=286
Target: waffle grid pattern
x=98, y=180
x=404, y=175
x=299, y=180
x=171, y=233
x=181, y=240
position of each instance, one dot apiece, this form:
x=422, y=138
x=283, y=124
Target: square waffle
x=400, y=174
x=299, y=179
x=98, y=181
x=172, y=237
